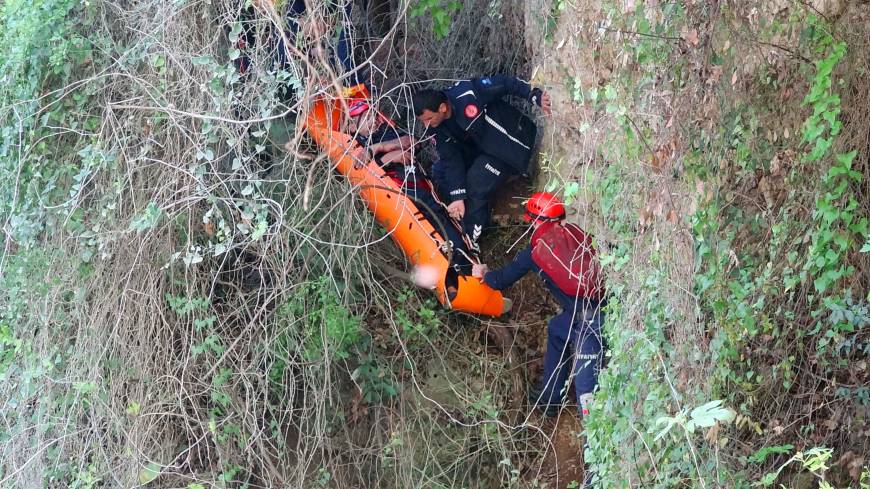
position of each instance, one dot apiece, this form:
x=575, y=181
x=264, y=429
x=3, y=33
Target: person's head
x=431, y=107
x=363, y=120
x=544, y=207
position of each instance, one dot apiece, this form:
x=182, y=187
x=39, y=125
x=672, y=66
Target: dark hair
x=427, y=100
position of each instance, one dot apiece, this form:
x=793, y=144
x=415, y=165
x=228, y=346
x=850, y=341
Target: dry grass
x=193, y=392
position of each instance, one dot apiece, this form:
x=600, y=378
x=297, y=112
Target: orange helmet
x=544, y=206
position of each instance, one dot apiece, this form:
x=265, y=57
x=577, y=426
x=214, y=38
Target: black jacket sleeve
x=449, y=171
x=495, y=87
x=505, y=277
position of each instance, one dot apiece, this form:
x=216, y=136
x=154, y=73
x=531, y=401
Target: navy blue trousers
x=572, y=345
x=484, y=176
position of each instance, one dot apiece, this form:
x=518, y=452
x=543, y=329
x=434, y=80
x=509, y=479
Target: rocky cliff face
x=677, y=128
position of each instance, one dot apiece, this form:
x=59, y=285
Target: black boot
x=536, y=400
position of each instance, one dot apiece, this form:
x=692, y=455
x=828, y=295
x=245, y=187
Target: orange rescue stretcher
x=420, y=241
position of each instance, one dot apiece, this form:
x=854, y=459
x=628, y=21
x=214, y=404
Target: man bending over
x=480, y=140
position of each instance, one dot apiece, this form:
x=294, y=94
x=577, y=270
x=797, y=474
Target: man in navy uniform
x=480, y=140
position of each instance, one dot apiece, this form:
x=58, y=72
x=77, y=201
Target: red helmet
x=358, y=108
x=544, y=206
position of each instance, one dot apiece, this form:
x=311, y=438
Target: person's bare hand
x=425, y=276
x=479, y=270
x=456, y=209
x=314, y=28
x=317, y=52
x=262, y=5
x=361, y=157
x=546, y=103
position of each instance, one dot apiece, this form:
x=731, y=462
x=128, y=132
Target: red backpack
x=565, y=254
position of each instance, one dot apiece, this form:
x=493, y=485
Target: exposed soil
x=507, y=206
x=563, y=462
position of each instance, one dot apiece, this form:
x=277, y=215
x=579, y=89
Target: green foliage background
x=189, y=298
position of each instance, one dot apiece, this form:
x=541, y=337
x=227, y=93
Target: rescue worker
x=574, y=335
x=480, y=140
x=339, y=9
x=378, y=138
x=304, y=28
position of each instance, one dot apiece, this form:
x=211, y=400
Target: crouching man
x=480, y=139
x=562, y=254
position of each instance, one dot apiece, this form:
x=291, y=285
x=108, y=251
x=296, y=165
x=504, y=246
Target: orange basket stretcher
x=419, y=240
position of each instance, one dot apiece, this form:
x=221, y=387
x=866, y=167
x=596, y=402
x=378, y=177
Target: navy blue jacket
x=521, y=265
x=483, y=123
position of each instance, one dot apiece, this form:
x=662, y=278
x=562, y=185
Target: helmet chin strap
x=538, y=218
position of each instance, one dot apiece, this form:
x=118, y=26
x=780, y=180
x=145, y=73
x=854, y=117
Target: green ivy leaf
x=668, y=422
x=571, y=190
x=235, y=32
x=761, y=455
x=711, y=413
x=259, y=230
x=134, y=408
x=148, y=219
x=768, y=479
x=202, y=60
x=149, y=473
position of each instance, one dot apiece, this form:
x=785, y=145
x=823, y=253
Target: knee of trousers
x=559, y=323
